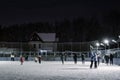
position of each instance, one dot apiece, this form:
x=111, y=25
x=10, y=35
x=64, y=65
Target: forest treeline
x=77, y=30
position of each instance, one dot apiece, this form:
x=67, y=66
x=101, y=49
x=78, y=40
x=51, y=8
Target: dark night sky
x=23, y=11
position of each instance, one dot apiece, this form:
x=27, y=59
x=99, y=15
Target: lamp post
x=103, y=53
x=107, y=43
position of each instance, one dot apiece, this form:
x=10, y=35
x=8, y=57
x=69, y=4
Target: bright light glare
x=102, y=44
x=114, y=41
x=106, y=41
x=119, y=36
x=97, y=44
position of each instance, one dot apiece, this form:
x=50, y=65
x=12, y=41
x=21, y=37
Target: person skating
x=62, y=57
x=26, y=57
x=36, y=59
x=75, y=58
x=111, y=59
x=93, y=59
x=83, y=58
x=21, y=59
x=107, y=58
x=12, y=57
x=39, y=59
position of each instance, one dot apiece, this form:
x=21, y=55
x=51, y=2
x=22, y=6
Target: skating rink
x=55, y=70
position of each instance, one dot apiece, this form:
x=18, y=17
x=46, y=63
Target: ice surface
x=54, y=70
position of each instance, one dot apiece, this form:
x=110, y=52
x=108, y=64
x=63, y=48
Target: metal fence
x=50, y=51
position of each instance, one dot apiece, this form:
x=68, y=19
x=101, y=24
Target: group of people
x=63, y=57
x=95, y=58
x=25, y=58
x=21, y=58
x=75, y=56
x=38, y=59
x=109, y=58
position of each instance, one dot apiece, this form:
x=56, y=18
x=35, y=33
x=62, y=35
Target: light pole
x=107, y=43
x=103, y=53
x=97, y=44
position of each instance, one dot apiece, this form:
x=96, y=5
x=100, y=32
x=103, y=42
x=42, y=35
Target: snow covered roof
x=47, y=37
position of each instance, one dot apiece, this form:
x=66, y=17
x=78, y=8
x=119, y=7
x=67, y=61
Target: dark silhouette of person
x=107, y=59
x=62, y=57
x=83, y=58
x=111, y=59
x=26, y=57
x=75, y=58
x=39, y=59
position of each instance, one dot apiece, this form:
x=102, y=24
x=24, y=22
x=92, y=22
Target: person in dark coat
x=95, y=60
x=26, y=57
x=75, y=58
x=111, y=59
x=92, y=59
x=62, y=57
x=83, y=58
x=107, y=59
x=39, y=59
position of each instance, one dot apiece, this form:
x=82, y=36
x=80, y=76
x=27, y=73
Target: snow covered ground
x=54, y=70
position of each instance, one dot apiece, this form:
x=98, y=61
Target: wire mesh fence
x=50, y=51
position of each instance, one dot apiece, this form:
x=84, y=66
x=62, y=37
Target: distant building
x=43, y=42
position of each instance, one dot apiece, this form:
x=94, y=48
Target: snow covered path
x=54, y=70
